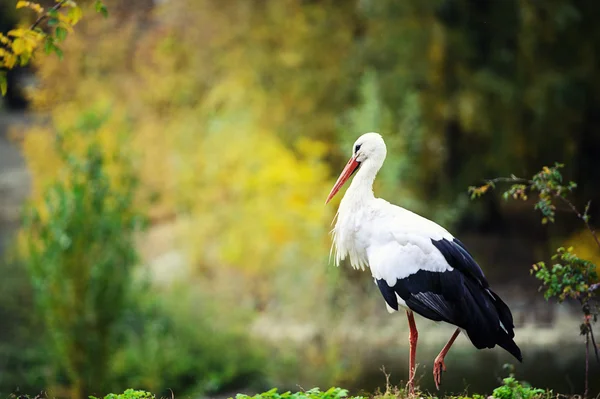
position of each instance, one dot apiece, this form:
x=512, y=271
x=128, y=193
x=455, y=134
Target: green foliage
x=546, y=184
x=570, y=276
x=101, y=8
x=514, y=389
x=511, y=389
x=3, y=83
x=128, y=394
x=78, y=248
x=314, y=393
x=175, y=340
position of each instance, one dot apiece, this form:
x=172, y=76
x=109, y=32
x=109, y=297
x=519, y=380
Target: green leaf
x=61, y=33
x=24, y=58
x=58, y=52
x=53, y=21
x=3, y=83
x=49, y=45
x=101, y=8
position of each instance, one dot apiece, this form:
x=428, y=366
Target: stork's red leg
x=438, y=364
x=412, y=339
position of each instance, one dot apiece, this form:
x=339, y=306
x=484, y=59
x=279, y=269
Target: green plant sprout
x=128, y=394
x=512, y=388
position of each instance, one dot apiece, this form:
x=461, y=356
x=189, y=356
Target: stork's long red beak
x=345, y=175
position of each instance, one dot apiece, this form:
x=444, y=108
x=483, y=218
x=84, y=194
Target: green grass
x=511, y=389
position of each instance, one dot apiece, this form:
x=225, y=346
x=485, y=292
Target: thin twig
x=587, y=363
x=56, y=7
x=594, y=342
x=515, y=179
x=512, y=179
x=580, y=216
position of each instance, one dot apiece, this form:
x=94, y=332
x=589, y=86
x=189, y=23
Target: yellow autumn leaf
x=20, y=46
x=20, y=32
x=35, y=36
x=9, y=60
x=36, y=7
x=32, y=5
x=65, y=22
x=74, y=15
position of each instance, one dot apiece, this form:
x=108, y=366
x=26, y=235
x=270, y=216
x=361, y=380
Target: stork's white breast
x=399, y=243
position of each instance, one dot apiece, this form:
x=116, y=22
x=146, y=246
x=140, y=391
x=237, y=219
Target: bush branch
x=594, y=342
x=580, y=216
x=512, y=179
x=56, y=7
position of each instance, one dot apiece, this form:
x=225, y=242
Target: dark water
x=561, y=369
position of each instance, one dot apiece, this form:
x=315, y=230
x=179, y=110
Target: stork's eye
x=356, y=148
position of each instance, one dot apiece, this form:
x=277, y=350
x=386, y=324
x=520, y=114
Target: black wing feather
x=460, y=297
x=458, y=257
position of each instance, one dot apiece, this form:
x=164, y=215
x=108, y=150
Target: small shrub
x=128, y=394
x=570, y=276
x=514, y=389
x=79, y=252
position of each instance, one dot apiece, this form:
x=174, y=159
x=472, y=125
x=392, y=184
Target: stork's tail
x=506, y=333
x=510, y=346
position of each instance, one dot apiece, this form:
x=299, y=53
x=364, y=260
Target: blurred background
x=161, y=189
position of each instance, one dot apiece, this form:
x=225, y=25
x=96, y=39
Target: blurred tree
x=78, y=247
x=216, y=147
x=501, y=86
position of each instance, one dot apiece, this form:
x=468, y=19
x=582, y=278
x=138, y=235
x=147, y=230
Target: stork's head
x=369, y=147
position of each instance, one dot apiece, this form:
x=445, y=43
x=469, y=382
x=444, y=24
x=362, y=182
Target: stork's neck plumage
x=361, y=189
x=357, y=197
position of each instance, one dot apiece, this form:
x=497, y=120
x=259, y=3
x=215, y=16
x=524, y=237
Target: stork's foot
x=438, y=367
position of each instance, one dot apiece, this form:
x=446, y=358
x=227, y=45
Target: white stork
x=417, y=264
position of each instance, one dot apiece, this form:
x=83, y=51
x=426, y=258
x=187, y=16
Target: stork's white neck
x=352, y=225
x=349, y=215
x=361, y=188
